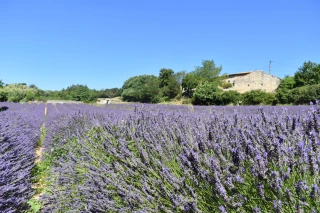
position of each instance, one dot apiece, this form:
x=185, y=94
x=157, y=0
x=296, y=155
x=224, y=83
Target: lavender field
x=159, y=158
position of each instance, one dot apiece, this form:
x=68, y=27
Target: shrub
x=3, y=96
x=143, y=88
x=227, y=97
x=283, y=96
x=305, y=94
x=17, y=93
x=256, y=97
x=206, y=94
x=210, y=94
x=81, y=93
x=226, y=85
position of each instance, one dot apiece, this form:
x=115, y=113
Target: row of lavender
x=19, y=134
x=165, y=158
x=178, y=159
x=20, y=126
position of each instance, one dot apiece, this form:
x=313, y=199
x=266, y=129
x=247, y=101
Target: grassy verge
x=40, y=170
x=38, y=174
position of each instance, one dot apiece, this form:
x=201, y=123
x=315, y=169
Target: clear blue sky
x=101, y=43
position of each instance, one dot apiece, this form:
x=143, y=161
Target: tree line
x=169, y=85
x=203, y=86
x=21, y=92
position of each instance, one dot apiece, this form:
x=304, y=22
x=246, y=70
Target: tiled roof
x=243, y=73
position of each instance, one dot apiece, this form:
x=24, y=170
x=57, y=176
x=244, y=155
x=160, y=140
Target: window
x=262, y=84
x=248, y=85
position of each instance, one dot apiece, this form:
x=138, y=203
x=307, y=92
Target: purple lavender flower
x=301, y=187
x=277, y=206
x=239, y=179
x=256, y=210
x=314, y=191
x=222, y=209
x=260, y=188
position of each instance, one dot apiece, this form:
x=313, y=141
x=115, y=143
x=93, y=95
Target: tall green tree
x=308, y=74
x=208, y=71
x=1, y=84
x=287, y=82
x=79, y=93
x=109, y=93
x=171, y=90
x=169, y=87
x=142, y=88
x=179, y=76
x=164, y=76
x=189, y=83
x=33, y=86
x=283, y=93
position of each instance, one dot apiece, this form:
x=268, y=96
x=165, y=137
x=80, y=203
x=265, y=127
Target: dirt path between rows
x=39, y=150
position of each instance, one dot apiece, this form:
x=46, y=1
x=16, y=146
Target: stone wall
x=256, y=80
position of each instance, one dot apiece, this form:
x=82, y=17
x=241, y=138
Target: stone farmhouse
x=253, y=80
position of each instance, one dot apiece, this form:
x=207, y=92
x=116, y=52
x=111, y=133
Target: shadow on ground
x=4, y=108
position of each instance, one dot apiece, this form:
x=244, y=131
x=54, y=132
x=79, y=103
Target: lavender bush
x=149, y=158
x=176, y=159
x=19, y=133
